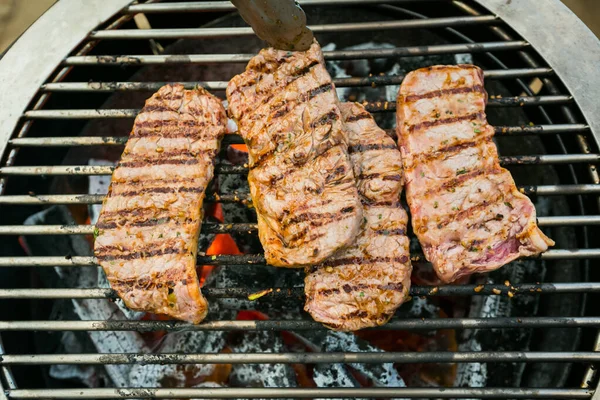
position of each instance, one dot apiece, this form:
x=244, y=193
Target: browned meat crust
x=363, y=285
x=147, y=232
x=301, y=180
x=466, y=210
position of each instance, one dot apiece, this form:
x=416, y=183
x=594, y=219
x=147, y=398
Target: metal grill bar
x=387, y=106
x=69, y=141
x=254, y=259
x=329, y=55
x=569, y=220
x=284, y=325
x=89, y=229
x=301, y=358
x=458, y=290
x=212, y=6
x=256, y=393
x=541, y=129
x=515, y=101
x=244, y=198
x=68, y=261
x=53, y=199
x=235, y=139
x=222, y=85
x=239, y=169
x=214, y=33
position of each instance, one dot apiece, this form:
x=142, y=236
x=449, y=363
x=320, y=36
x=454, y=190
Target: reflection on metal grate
x=552, y=115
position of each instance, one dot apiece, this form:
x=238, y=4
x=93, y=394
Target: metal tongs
x=281, y=23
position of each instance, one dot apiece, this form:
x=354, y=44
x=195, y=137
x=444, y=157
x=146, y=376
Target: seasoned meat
x=147, y=232
x=301, y=180
x=362, y=286
x=466, y=210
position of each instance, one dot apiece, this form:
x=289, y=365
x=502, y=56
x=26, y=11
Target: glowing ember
x=223, y=244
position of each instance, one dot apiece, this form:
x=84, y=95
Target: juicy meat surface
x=301, y=180
x=466, y=210
x=147, y=232
x=363, y=285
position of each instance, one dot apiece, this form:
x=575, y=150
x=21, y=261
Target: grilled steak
x=466, y=210
x=301, y=180
x=147, y=232
x=362, y=286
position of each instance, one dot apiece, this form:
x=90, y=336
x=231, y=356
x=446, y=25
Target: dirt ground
x=17, y=15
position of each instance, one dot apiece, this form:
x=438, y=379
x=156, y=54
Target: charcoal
x=333, y=375
x=86, y=309
x=260, y=375
x=260, y=278
x=380, y=375
x=384, y=375
x=188, y=375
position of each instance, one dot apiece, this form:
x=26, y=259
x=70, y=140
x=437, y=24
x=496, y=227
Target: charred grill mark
x=158, y=161
x=158, y=108
x=308, y=206
x=160, y=190
x=446, y=121
x=443, y=92
x=293, y=167
x=167, y=123
x=288, y=81
x=329, y=292
x=451, y=150
x=306, y=240
x=156, y=281
x=336, y=173
x=311, y=94
x=175, y=153
x=358, y=261
x=360, y=148
x=358, y=117
x=454, y=182
x=355, y=314
x=331, y=116
x=313, y=217
x=155, y=182
x=462, y=214
x=396, y=178
x=347, y=288
x=365, y=177
x=390, y=232
x=102, y=253
x=128, y=222
x=303, y=71
x=395, y=286
x=174, y=133
x=172, y=95
x=317, y=220
x=390, y=204
x=393, y=177
x=280, y=113
x=282, y=109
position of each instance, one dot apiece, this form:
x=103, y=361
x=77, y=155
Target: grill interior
x=85, y=110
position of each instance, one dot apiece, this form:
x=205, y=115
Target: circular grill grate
x=550, y=148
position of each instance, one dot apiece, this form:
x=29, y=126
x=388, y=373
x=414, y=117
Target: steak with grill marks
x=301, y=179
x=147, y=232
x=363, y=285
x=466, y=210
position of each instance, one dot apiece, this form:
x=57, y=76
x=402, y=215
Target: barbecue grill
x=71, y=85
